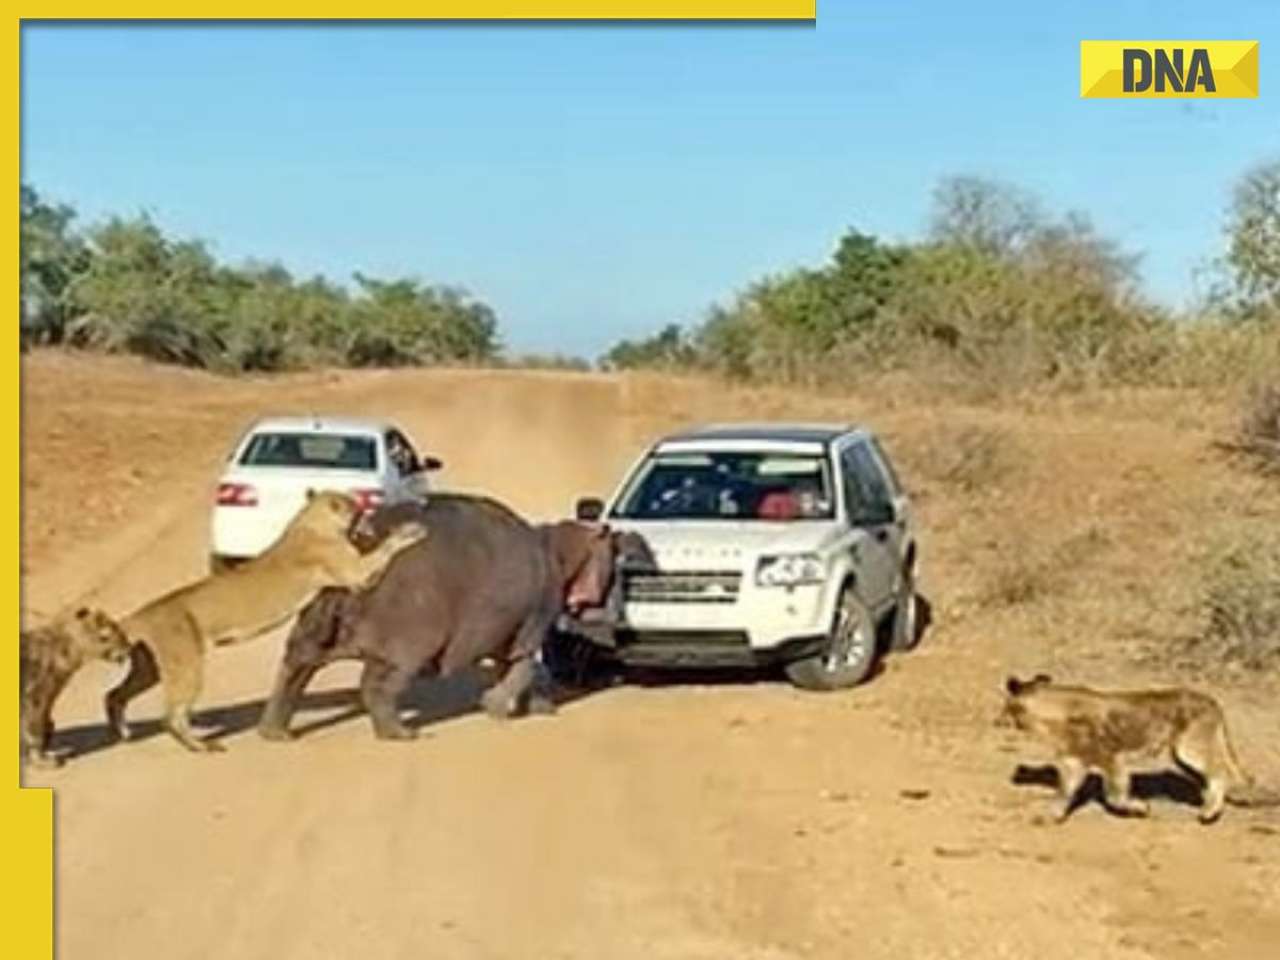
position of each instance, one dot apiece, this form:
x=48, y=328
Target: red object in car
x=237, y=495
x=779, y=505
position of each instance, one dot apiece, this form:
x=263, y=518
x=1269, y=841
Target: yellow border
x=27, y=814
x=28, y=930
x=468, y=10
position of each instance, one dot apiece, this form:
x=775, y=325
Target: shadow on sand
x=428, y=701
x=1166, y=785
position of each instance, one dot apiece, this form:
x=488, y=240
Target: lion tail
x=1253, y=795
x=1245, y=792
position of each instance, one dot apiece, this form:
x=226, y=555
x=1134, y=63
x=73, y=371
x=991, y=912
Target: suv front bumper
x=763, y=625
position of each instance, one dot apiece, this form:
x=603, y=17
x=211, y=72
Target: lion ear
x=1042, y=678
x=311, y=494
x=83, y=613
x=1013, y=686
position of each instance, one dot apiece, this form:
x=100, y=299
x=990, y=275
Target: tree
x=402, y=322
x=1253, y=233
x=989, y=216
x=127, y=287
x=669, y=348
x=50, y=256
x=144, y=293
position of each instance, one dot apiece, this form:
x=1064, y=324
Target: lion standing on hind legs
x=171, y=635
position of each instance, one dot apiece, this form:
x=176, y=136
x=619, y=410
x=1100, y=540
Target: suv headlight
x=790, y=570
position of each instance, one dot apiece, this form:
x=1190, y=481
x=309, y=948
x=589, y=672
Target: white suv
x=274, y=464
x=788, y=543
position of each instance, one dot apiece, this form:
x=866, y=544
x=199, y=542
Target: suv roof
x=322, y=424
x=752, y=432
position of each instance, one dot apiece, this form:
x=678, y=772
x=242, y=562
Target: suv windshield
x=311, y=450
x=729, y=485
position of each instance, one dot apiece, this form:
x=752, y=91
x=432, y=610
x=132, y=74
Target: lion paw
x=45, y=761
x=410, y=533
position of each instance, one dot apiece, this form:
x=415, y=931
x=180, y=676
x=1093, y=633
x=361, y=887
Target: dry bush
x=1025, y=572
x=1020, y=576
x=967, y=458
x=1240, y=604
x=1260, y=426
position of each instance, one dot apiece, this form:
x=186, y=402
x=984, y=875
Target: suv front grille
x=683, y=586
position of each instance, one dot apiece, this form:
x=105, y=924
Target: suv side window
x=866, y=491
x=857, y=496
x=890, y=474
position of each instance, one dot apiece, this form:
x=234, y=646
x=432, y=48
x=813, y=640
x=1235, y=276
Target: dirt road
x=743, y=820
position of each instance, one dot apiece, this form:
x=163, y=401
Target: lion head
x=96, y=635
x=328, y=512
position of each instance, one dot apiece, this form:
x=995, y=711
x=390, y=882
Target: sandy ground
x=682, y=820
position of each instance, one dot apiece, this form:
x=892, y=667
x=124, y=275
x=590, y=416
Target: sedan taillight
x=237, y=495
x=369, y=499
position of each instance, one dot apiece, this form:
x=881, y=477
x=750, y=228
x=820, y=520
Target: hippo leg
x=291, y=681
x=534, y=640
x=542, y=690
x=525, y=676
x=505, y=698
x=380, y=687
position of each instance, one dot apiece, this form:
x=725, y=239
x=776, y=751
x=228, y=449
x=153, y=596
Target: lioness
x=171, y=635
x=47, y=658
x=1110, y=732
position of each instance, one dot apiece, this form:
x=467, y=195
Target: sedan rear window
x=311, y=450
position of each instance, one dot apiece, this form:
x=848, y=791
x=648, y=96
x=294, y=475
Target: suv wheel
x=906, y=615
x=570, y=661
x=850, y=651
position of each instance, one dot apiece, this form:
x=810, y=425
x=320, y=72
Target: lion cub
x=48, y=656
x=1111, y=732
x=172, y=634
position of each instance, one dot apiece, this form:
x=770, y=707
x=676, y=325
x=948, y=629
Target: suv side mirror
x=884, y=512
x=876, y=515
x=589, y=509
x=430, y=463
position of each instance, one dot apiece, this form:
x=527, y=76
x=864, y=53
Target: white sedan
x=279, y=459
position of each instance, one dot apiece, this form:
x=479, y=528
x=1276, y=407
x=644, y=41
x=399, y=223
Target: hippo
x=484, y=585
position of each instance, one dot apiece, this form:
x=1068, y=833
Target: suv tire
x=906, y=629
x=850, y=653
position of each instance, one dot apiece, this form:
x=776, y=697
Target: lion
x=171, y=635
x=1111, y=732
x=48, y=656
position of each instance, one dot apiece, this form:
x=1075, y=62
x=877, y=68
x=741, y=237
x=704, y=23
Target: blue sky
x=592, y=182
